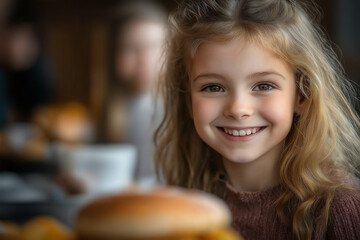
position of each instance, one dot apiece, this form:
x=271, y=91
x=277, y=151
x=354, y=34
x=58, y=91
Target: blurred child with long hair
x=132, y=110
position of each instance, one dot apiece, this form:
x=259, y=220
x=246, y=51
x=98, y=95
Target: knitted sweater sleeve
x=344, y=218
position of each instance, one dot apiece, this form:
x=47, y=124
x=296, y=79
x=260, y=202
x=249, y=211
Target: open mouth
x=241, y=132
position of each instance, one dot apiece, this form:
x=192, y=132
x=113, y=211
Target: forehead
x=234, y=56
x=142, y=31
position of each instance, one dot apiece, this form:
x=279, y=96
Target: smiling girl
x=259, y=112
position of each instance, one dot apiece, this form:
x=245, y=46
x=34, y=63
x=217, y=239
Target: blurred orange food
x=169, y=213
x=9, y=230
x=38, y=228
x=66, y=122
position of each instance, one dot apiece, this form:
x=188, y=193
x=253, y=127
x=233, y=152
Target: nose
x=239, y=107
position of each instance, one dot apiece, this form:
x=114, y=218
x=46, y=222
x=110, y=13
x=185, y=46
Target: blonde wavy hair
x=323, y=145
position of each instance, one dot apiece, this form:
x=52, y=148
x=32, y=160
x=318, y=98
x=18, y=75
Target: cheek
x=279, y=111
x=204, y=111
x=125, y=65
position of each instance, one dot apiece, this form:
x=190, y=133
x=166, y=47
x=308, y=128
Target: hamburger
x=161, y=214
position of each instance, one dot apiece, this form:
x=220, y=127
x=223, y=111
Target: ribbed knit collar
x=268, y=195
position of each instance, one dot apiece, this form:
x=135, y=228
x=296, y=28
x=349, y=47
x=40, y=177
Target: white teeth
x=241, y=133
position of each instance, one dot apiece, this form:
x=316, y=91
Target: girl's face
x=139, y=54
x=243, y=99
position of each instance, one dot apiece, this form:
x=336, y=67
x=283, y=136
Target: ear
x=299, y=103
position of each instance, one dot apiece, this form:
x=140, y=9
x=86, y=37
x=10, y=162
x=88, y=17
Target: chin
x=238, y=157
x=240, y=160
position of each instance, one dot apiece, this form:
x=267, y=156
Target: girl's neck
x=263, y=173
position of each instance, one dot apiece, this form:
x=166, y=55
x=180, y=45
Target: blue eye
x=263, y=87
x=213, y=88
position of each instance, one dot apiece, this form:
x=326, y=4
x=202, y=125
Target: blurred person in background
x=5, y=6
x=24, y=72
x=132, y=109
x=25, y=82
x=4, y=12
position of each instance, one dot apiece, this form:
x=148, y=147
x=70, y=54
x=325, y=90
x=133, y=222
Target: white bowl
x=103, y=167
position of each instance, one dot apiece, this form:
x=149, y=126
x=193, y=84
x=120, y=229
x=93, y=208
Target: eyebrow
x=265, y=73
x=209, y=75
x=251, y=76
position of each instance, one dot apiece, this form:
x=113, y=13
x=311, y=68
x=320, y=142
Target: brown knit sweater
x=254, y=216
